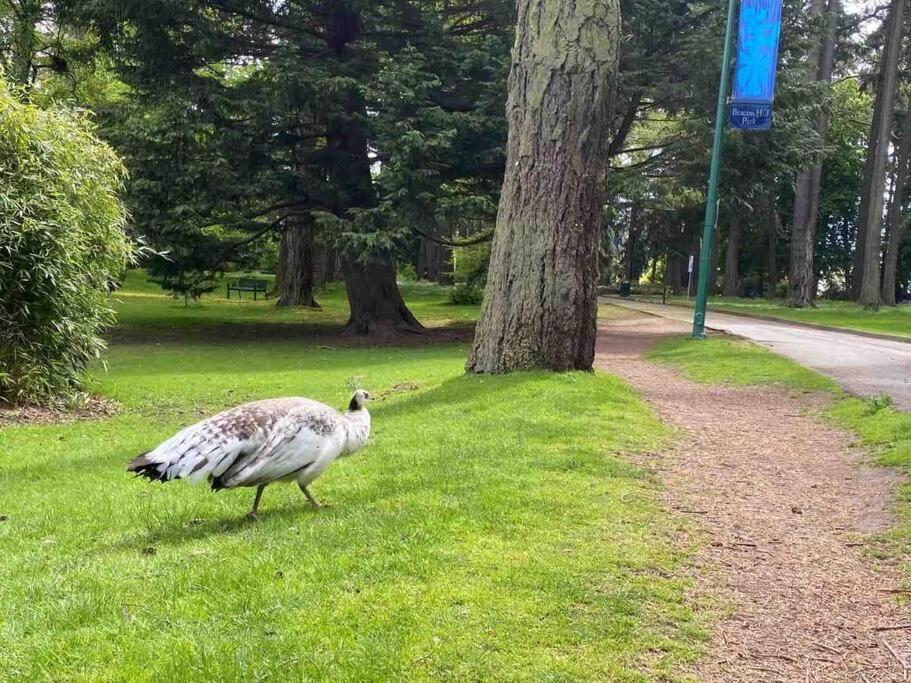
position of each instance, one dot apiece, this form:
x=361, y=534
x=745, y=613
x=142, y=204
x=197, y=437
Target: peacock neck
x=358, y=423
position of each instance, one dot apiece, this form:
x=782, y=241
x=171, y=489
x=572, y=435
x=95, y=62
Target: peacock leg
x=259, y=494
x=310, y=497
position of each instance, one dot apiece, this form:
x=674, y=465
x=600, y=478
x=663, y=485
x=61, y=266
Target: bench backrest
x=252, y=283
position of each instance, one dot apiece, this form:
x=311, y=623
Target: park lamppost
x=751, y=109
x=711, y=200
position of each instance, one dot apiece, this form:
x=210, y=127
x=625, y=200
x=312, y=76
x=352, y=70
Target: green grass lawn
x=143, y=308
x=491, y=530
x=882, y=429
x=894, y=320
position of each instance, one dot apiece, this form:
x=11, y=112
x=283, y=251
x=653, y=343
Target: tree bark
x=802, y=274
x=373, y=294
x=376, y=303
x=432, y=257
x=675, y=268
x=881, y=130
x=857, y=266
x=25, y=42
x=625, y=126
x=894, y=222
x=294, y=281
x=731, y=286
x=540, y=305
x=774, y=226
x=713, y=265
x=377, y=307
x=635, y=228
x=325, y=265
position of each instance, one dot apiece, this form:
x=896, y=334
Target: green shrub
x=874, y=404
x=62, y=248
x=407, y=273
x=466, y=295
x=469, y=265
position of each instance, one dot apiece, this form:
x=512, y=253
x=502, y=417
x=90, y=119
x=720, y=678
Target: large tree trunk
x=802, y=274
x=377, y=307
x=540, y=305
x=294, y=281
x=894, y=223
x=376, y=303
x=731, y=285
x=373, y=294
x=881, y=130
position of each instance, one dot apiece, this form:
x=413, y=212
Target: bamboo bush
x=62, y=246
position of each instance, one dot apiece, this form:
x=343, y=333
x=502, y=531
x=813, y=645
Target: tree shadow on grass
x=461, y=390
x=227, y=334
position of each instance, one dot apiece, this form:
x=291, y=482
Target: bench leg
x=229, y=291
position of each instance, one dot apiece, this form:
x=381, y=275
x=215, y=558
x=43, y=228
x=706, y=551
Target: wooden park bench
x=248, y=284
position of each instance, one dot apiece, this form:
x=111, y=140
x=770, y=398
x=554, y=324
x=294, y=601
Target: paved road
x=862, y=365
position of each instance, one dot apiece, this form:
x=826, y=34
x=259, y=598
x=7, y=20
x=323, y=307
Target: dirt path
x=785, y=503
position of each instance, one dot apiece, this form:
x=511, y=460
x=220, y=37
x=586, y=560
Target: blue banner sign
x=757, y=64
x=751, y=116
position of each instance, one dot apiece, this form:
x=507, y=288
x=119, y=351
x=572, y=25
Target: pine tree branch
x=470, y=242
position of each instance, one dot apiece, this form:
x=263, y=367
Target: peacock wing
x=296, y=441
x=207, y=448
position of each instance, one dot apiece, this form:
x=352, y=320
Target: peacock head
x=360, y=399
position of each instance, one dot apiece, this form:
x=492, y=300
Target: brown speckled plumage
x=259, y=442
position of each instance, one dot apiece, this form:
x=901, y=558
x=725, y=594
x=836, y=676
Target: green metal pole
x=711, y=200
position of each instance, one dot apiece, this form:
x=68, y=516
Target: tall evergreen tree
x=820, y=59
x=895, y=223
x=283, y=114
x=866, y=275
x=540, y=305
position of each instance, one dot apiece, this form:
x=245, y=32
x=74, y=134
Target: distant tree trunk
x=24, y=43
x=713, y=265
x=632, y=240
x=374, y=298
x=675, y=268
x=895, y=227
x=373, y=294
x=540, y=305
x=857, y=265
x=325, y=265
x=376, y=304
x=377, y=307
x=880, y=134
x=294, y=277
x=802, y=275
x=624, y=126
x=431, y=258
x=731, y=285
x=774, y=227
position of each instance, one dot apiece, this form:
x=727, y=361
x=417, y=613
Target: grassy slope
x=720, y=359
x=888, y=320
x=488, y=531
x=142, y=306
